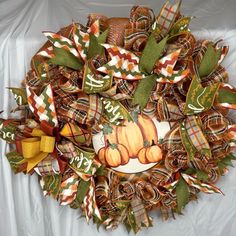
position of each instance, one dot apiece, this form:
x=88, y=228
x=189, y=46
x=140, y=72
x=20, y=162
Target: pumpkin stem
x=108, y=143
x=153, y=143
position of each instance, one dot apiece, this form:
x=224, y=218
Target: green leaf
x=95, y=47
x=82, y=190
x=209, y=61
x=202, y=176
x=65, y=58
x=151, y=54
x=182, y=194
x=226, y=96
x=107, y=129
x=19, y=95
x=143, y=91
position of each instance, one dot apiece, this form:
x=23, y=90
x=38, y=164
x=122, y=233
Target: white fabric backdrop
x=23, y=209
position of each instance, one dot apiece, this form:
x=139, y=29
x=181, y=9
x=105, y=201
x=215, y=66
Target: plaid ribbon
x=67, y=149
x=76, y=134
x=195, y=133
x=168, y=111
x=136, y=32
x=43, y=105
x=167, y=17
x=185, y=41
x=49, y=166
x=140, y=213
x=215, y=125
x=87, y=109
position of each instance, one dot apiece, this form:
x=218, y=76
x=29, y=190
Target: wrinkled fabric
x=24, y=211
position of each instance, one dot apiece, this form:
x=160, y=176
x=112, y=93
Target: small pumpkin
x=133, y=134
x=150, y=154
x=113, y=155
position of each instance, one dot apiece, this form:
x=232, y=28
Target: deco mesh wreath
x=124, y=116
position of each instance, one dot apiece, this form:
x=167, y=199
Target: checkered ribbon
x=82, y=39
x=167, y=17
x=68, y=190
x=43, y=105
x=164, y=68
x=123, y=63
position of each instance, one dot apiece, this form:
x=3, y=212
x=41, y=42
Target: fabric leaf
x=65, y=58
x=143, y=91
x=180, y=25
x=226, y=97
x=182, y=194
x=95, y=47
x=151, y=54
x=82, y=190
x=209, y=61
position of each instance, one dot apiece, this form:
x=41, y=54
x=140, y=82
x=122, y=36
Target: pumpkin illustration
x=150, y=154
x=113, y=155
x=132, y=135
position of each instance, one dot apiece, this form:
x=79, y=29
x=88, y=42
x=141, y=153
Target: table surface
x=24, y=211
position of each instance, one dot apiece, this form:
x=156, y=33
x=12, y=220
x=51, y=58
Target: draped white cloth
x=24, y=211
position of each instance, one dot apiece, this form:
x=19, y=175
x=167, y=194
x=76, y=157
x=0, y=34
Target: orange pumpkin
x=113, y=155
x=150, y=154
x=133, y=134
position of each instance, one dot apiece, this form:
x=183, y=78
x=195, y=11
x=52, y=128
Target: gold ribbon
x=35, y=149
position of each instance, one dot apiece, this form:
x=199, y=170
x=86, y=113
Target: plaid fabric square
x=167, y=16
x=43, y=105
x=76, y=134
x=139, y=211
x=67, y=149
x=195, y=133
x=49, y=166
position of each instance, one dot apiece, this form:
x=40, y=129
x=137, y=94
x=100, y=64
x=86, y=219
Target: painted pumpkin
x=150, y=154
x=113, y=155
x=132, y=135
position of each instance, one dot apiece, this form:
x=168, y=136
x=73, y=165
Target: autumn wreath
x=124, y=116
